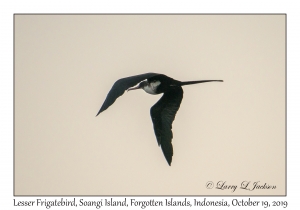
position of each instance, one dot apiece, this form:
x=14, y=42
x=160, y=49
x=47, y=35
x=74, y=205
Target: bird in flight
x=164, y=111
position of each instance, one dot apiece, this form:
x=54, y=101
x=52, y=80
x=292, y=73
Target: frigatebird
x=164, y=111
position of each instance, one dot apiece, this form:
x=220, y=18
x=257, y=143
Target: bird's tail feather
x=199, y=81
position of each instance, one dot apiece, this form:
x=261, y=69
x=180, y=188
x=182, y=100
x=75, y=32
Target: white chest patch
x=151, y=88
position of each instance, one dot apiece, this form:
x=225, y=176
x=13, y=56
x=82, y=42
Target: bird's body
x=151, y=88
x=164, y=111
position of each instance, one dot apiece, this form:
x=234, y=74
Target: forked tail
x=199, y=81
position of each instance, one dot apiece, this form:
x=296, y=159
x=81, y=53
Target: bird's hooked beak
x=139, y=86
x=134, y=88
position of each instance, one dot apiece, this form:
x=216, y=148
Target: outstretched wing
x=163, y=114
x=120, y=86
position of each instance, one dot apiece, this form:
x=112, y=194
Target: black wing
x=163, y=114
x=120, y=86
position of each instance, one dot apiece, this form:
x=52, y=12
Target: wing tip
x=101, y=110
x=169, y=159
